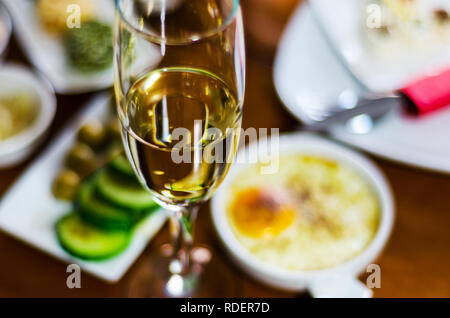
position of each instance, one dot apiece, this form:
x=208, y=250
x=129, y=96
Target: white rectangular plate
x=47, y=52
x=29, y=210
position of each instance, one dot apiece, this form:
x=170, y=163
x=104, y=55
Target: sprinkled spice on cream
x=313, y=214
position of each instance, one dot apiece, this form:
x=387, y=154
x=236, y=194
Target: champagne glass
x=179, y=84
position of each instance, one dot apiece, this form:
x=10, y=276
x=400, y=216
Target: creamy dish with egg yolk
x=313, y=213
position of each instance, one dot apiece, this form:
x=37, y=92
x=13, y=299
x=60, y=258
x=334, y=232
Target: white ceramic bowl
x=6, y=27
x=338, y=281
x=18, y=78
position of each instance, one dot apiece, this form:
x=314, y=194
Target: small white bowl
x=339, y=281
x=18, y=78
x=5, y=22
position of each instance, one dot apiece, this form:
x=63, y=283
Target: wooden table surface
x=415, y=263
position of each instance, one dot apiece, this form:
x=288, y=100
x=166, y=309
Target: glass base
x=159, y=276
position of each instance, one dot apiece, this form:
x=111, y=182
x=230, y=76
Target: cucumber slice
x=100, y=213
x=123, y=191
x=87, y=242
x=123, y=166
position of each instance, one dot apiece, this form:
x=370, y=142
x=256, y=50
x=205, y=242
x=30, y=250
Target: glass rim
x=193, y=38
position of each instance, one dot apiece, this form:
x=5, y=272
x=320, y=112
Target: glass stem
x=182, y=230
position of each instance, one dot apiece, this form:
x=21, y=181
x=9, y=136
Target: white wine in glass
x=180, y=115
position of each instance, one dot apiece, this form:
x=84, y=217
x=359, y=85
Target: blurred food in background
x=409, y=27
x=314, y=213
x=386, y=44
x=70, y=42
x=18, y=111
x=53, y=13
x=108, y=201
x=90, y=48
x=97, y=143
x=27, y=109
x=107, y=206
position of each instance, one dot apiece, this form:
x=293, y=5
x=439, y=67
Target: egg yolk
x=258, y=213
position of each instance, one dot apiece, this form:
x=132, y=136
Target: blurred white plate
x=387, y=67
x=29, y=210
x=307, y=73
x=48, y=54
x=17, y=78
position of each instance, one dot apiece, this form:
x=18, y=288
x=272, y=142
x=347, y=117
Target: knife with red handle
x=423, y=96
x=430, y=93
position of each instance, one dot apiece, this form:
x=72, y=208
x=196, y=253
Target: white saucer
x=307, y=72
x=337, y=281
